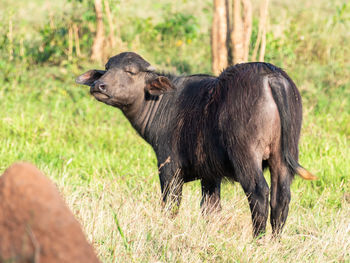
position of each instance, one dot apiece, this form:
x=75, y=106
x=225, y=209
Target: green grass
x=108, y=174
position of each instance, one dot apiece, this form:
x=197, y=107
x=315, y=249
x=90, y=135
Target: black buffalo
x=209, y=128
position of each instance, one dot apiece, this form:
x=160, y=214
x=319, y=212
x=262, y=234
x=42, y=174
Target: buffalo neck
x=153, y=116
x=141, y=115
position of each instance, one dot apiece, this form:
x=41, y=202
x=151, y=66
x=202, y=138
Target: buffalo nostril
x=102, y=87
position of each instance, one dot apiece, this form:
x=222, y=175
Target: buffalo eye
x=130, y=72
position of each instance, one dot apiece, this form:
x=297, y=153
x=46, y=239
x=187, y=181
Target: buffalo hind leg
x=257, y=192
x=210, y=196
x=281, y=178
x=171, y=185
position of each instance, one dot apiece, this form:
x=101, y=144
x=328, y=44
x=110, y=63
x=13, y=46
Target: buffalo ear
x=159, y=85
x=88, y=78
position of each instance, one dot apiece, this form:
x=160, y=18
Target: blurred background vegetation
x=308, y=39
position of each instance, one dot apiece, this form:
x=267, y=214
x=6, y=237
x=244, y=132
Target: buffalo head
x=125, y=81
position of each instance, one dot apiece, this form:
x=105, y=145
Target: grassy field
x=108, y=174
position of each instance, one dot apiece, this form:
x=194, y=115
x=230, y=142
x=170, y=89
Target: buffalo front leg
x=171, y=184
x=210, y=196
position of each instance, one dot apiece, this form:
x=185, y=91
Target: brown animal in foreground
x=35, y=223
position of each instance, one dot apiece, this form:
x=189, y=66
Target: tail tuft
x=306, y=175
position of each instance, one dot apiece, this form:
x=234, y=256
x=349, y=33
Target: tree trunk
x=247, y=27
x=111, y=36
x=76, y=38
x=70, y=43
x=261, y=38
x=242, y=30
x=264, y=15
x=218, y=37
x=237, y=39
x=97, y=47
